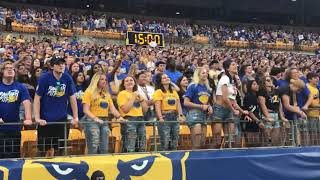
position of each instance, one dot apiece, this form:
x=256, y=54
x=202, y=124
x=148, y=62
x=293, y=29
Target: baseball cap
x=57, y=60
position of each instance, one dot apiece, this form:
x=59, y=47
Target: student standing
x=12, y=95
x=54, y=91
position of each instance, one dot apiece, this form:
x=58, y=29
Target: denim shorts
x=275, y=124
x=196, y=116
x=222, y=114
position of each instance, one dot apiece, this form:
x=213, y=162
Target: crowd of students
x=52, y=21
x=255, y=94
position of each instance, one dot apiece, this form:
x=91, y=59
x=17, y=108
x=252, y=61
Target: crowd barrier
x=293, y=133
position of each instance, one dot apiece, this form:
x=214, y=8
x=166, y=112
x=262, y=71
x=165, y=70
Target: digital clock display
x=144, y=38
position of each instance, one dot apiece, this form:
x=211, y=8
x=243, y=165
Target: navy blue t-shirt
x=198, y=94
x=11, y=97
x=286, y=91
x=282, y=83
x=79, y=94
x=54, y=96
x=302, y=95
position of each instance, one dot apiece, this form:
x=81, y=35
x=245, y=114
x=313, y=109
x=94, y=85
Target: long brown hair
x=135, y=87
x=263, y=84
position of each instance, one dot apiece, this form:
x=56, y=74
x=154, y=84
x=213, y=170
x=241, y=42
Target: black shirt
x=251, y=104
x=285, y=90
x=272, y=99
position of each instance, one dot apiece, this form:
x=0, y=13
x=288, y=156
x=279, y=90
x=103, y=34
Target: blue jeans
x=169, y=132
x=134, y=134
x=276, y=123
x=196, y=116
x=221, y=114
x=97, y=136
x=313, y=124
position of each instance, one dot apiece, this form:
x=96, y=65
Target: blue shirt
x=18, y=16
x=282, y=83
x=11, y=97
x=79, y=94
x=198, y=93
x=119, y=77
x=54, y=96
x=173, y=75
x=304, y=79
x=285, y=90
x=125, y=66
x=302, y=95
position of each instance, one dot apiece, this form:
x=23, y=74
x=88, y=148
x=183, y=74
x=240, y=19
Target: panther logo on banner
x=119, y=167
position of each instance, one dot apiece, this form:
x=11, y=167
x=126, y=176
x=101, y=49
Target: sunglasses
x=268, y=80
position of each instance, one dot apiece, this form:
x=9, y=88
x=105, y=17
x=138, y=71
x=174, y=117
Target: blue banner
x=247, y=164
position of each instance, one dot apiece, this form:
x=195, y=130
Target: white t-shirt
x=225, y=80
x=150, y=91
x=150, y=65
x=96, y=23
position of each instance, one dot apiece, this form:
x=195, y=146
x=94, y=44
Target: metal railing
x=150, y=138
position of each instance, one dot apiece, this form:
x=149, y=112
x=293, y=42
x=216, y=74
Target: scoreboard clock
x=144, y=38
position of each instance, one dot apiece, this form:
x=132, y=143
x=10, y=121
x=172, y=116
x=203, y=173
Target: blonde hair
x=297, y=83
x=196, y=77
x=94, y=89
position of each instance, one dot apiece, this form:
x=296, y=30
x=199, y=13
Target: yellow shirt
x=315, y=102
x=144, y=59
x=123, y=98
x=99, y=107
x=168, y=100
x=21, y=40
